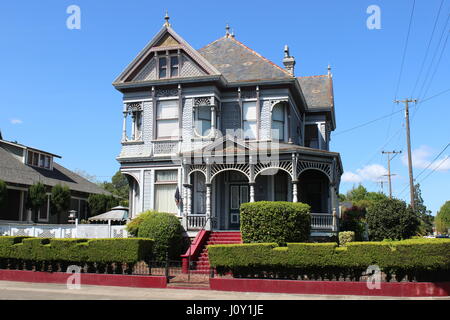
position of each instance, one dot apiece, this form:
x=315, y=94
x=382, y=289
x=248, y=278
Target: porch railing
x=319, y=221
x=196, y=222
x=322, y=221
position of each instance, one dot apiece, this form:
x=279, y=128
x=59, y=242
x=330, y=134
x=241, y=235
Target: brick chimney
x=288, y=61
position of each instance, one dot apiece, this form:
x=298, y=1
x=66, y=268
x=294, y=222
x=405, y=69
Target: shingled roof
x=237, y=62
x=14, y=171
x=318, y=91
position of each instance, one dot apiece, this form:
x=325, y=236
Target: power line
x=367, y=123
x=428, y=48
x=440, y=153
x=434, y=57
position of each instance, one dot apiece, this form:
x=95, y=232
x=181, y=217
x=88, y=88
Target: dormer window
x=38, y=159
x=174, y=66
x=168, y=65
x=162, y=67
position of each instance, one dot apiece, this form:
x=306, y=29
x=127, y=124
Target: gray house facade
x=206, y=130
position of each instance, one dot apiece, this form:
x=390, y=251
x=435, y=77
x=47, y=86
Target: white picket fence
x=62, y=230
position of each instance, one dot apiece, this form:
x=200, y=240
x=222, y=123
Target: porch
x=213, y=190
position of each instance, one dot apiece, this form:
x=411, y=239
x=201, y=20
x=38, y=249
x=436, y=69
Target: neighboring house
x=22, y=166
x=222, y=125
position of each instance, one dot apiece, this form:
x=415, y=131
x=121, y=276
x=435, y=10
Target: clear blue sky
x=57, y=94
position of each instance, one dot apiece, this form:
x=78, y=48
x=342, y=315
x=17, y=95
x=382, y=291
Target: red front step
x=228, y=237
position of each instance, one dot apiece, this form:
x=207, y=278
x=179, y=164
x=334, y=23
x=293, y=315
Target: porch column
x=208, y=206
x=252, y=192
x=294, y=191
x=332, y=208
x=185, y=207
x=124, y=125
x=213, y=121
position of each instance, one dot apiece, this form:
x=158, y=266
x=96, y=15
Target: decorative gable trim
x=165, y=39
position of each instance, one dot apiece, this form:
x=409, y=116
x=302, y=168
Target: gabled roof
x=165, y=39
x=237, y=62
x=318, y=91
x=13, y=171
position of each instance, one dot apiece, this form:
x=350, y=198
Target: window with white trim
x=38, y=159
x=249, y=117
x=167, y=119
x=168, y=65
x=202, y=120
x=278, y=122
x=165, y=187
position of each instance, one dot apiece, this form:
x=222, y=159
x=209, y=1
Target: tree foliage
x=424, y=215
x=101, y=203
x=36, y=196
x=118, y=186
x=60, y=199
x=391, y=219
x=443, y=218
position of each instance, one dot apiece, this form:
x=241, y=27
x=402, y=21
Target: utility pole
x=408, y=145
x=389, y=168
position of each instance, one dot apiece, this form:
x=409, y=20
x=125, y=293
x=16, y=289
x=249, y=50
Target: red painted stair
x=201, y=262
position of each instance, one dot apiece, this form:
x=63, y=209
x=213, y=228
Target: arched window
x=278, y=122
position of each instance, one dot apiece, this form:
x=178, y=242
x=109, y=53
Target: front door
x=238, y=195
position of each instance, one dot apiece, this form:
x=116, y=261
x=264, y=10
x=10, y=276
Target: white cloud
x=372, y=172
x=351, y=177
x=16, y=121
x=421, y=159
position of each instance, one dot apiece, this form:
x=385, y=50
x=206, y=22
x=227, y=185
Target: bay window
x=278, y=122
x=249, y=117
x=202, y=118
x=165, y=188
x=167, y=119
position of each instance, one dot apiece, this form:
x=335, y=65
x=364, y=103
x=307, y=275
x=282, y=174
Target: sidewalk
x=41, y=291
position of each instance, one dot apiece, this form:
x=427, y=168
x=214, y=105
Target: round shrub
x=391, y=219
x=275, y=221
x=346, y=237
x=166, y=230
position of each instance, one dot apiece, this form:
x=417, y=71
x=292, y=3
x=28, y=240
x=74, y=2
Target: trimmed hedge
x=275, y=221
x=415, y=259
x=74, y=251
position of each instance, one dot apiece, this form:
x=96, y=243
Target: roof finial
x=329, y=70
x=167, y=24
x=227, y=30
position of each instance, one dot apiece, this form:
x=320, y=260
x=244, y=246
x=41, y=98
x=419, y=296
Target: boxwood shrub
x=275, y=221
x=16, y=250
x=167, y=231
x=415, y=259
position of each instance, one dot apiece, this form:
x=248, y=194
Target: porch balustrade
x=322, y=221
x=196, y=222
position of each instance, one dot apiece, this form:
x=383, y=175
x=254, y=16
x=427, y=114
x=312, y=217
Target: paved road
x=42, y=291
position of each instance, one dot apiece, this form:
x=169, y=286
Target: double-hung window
x=165, y=188
x=168, y=66
x=162, y=67
x=249, y=117
x=278, y=122
x=167, y=119
x=202, y=118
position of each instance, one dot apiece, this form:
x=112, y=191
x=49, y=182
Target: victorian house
x=206, y=130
